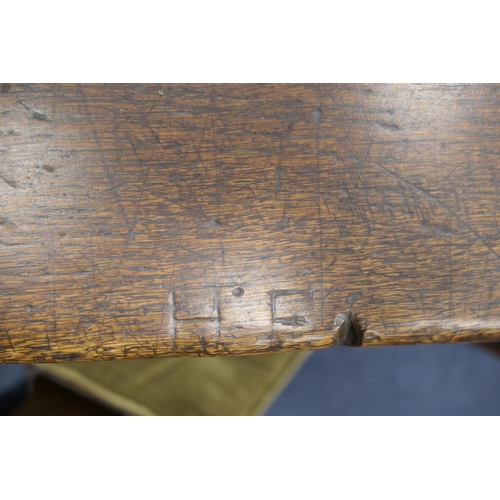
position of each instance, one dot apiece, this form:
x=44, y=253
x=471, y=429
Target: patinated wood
x=186, y=220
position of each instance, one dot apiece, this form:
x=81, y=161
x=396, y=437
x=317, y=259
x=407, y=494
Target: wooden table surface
x=186, y=220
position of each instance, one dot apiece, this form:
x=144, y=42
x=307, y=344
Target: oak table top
x=188, y=220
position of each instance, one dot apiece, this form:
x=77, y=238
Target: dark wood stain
x=239, y=219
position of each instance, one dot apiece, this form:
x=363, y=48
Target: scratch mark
x=171, y=319
x=217, y=306
x=483, y=282
x=94, y=287
x=450, y=285
x=60, y=255
x=53, y=263
x=285, y=222
x=292, y=321
x=228, y=136
x=277, y=179
x=128, y=332
x=158, y=141
x=11, y=183
x=26, y=105
x=40, y=116
x=317, y=118
x=108, y=170
x=47, y=338
x=203, y=342
x=443, y=206
x=37, y=115
x=211, y=224
x=392, y=127
x=354, y=297
x=171, y=300
x=114, y=189
x=216, y=161
x=279, y=170
x=10, y=341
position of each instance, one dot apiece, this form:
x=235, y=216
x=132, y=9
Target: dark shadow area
x=49, y=398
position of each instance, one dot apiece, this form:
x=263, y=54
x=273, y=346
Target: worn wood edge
x=435, y=332
x=350, y=330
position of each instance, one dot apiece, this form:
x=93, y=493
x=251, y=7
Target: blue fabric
x=448, y=379
x=11, y=376
x=13, y=387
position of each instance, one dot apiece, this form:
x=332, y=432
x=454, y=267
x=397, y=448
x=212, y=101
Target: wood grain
x=187, y=220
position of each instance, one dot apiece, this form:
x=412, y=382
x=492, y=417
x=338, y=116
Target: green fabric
x=182, y=386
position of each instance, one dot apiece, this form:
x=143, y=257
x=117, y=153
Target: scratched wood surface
x=186, y=220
